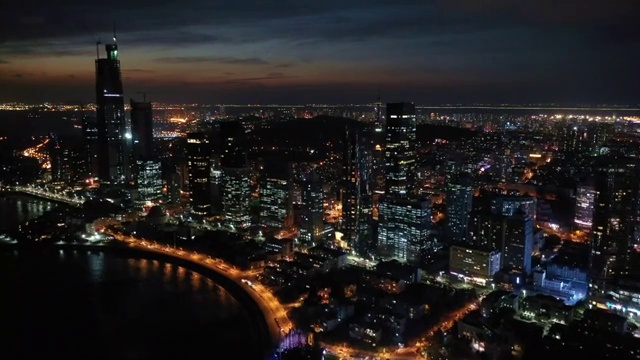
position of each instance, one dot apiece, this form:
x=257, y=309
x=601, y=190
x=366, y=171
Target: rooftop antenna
x=114, y=32
x=144, y=95
x=98, y=49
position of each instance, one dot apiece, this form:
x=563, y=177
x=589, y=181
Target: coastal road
x=274, y=313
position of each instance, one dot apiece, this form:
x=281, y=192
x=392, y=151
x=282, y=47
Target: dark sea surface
x=76, y=304
x=40, y=123
x=15, y=210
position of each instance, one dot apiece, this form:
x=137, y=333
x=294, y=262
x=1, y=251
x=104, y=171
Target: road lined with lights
x=275, y=314
x=48, y=195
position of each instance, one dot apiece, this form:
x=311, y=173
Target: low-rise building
x=473, y=263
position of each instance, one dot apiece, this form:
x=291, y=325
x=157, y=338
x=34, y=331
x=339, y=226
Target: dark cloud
x=212, y=59
x=3, y=62
x=557, y=48
x=269, y=76
x=145, y=71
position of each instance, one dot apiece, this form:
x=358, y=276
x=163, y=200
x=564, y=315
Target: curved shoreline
x=268, y=342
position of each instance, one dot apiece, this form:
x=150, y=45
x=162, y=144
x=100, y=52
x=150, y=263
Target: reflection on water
x=97, y=306
x=15, y=210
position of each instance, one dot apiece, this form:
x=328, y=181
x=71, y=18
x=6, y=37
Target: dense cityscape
x=383, y=230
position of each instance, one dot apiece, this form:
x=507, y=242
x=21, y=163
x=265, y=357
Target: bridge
x=42, y=193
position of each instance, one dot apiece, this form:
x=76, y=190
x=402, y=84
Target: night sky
x=340, y=51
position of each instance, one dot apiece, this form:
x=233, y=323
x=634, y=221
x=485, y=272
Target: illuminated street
x=275, y=314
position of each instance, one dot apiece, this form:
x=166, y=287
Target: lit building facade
x=459, y=202
x=275, y=202
x=90, y=137
x=518, y=242
x=311, y=210
x=585, y=200
x=400, y=149
x=474, y=264
x=199, y=167
x=236, y=197
x=509, y=205
x=403, y=228
x=149, y=182
x=614, y=228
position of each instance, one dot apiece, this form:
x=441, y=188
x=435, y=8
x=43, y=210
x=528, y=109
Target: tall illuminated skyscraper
x=400, y=149
x=615, y=218
x=113, y=162
x=403, y=220
x=276, y=193
x=459, y=200
x=236, y=176
x=199, y=158
x=311, y=209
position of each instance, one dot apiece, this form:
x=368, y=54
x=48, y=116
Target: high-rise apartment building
x=311, y=209
x=585, y=201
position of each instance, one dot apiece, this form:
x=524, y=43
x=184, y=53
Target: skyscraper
x=199, y=157
x=311, y=209
x=400, y=149
x=615, y=216
x=145, y=166
x=350, y=189
x=585, y=198
x=59, y=158
x=112, y=160
x=236, y=176
x=90, y=136
x=142, y=130
x=459, y=200
x=403, y=220
x=276, y=195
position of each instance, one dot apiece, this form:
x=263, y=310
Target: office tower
x=585, y=199
x=356, y=195
x=60, y=160
x=403, y=222
x=459, y=201
x=614, y=227
x=199, y=157
x=149, y=182
x=236, y=176
x=142, y=130
x=403, y=228
x=400, y=149
x=518, y=242
x=377, y=148
x=146, y=167
x=113, y=162
x=509, y=205
x=216, y=185
x=90, y=136
x=350, y=189
x=276, y=195
x=311, y=209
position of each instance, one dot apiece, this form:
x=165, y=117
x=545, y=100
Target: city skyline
x=280, y=51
